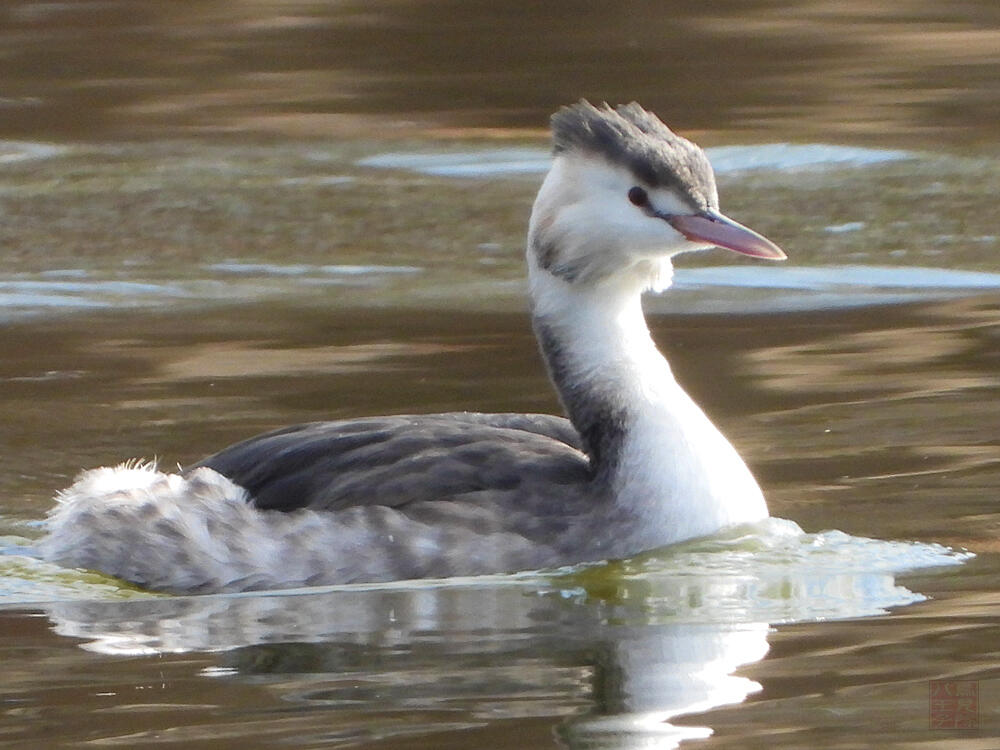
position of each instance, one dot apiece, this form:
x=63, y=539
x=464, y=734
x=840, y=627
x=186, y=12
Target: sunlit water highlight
x=734, y=288
x=12, y=152
x=490, y=163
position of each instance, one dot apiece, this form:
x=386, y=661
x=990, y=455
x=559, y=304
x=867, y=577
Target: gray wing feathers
x=401, y=461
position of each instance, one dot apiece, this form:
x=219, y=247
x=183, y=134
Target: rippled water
x=237, y=216
x=874, y=421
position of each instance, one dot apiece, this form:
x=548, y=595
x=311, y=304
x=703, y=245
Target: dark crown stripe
x=639, y=141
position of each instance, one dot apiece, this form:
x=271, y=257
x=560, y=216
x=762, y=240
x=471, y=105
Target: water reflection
x=620, y=651
x=651, y=675
x=474, y=652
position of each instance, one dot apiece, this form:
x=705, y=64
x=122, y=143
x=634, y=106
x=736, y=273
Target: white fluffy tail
x=186, y=534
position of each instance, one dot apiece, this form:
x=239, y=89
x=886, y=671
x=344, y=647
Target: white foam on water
x=773, y=571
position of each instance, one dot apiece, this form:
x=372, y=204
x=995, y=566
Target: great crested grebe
x=637, y=465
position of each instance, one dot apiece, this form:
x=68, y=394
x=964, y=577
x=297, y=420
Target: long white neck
x=656, y=453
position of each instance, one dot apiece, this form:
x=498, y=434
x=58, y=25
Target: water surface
x=831, y=408
x=243, y=215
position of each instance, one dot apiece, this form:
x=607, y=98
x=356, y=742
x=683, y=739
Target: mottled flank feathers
x=198, y=533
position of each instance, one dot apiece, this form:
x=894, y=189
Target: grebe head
x=623, y=196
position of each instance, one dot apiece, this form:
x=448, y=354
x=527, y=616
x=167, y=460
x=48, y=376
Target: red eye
x=638, y=197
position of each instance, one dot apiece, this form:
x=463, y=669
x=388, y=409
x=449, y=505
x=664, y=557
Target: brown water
x=203, y=237
x=892, y=71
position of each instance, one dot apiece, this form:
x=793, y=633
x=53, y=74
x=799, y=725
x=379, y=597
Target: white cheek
x=583, y=206
x=624, y=225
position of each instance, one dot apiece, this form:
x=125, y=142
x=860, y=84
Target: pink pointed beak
x=715, y=229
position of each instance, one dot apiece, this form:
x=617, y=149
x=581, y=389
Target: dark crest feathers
x=639, y=141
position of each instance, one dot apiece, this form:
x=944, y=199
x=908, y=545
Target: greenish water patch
x=207, y=221
x=26, y=580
